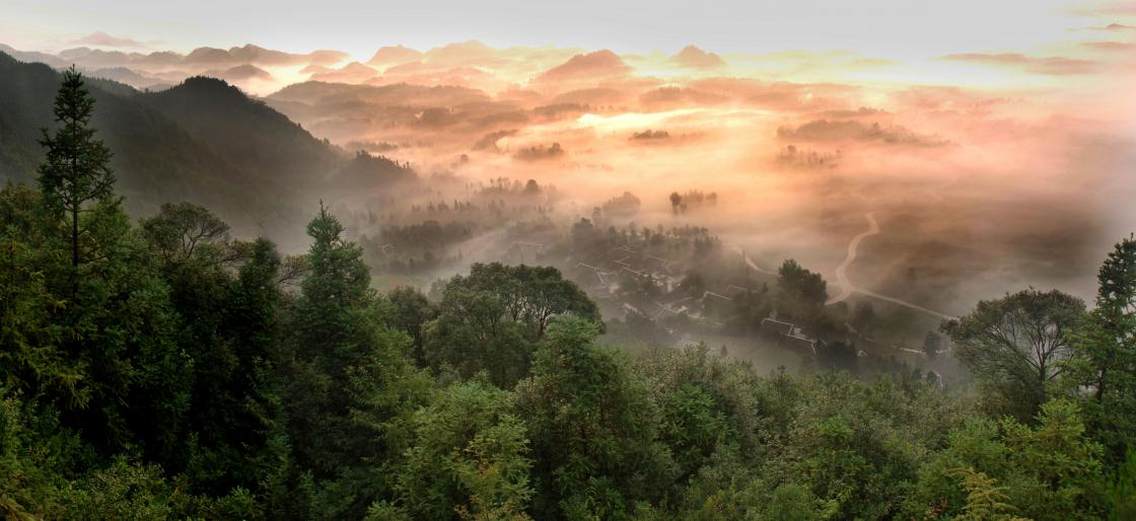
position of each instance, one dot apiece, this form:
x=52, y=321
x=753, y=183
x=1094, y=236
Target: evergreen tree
x=349, y=386
x=76, y=170
x=1105, y=349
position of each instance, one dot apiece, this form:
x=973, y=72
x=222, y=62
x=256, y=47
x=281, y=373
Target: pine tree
x=76, y=169
x=1105, y=361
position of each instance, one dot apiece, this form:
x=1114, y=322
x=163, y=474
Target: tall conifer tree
x=76, y=170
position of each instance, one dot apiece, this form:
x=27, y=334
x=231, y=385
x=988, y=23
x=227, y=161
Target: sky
x=894, y=29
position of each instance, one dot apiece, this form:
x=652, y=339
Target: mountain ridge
x=202, y=140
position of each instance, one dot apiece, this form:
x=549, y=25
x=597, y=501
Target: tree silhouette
x=76, y=169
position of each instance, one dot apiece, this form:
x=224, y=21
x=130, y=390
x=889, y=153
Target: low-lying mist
x=976, y=193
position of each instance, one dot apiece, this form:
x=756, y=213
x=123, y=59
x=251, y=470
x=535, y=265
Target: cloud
x=670, y=97
x=1110, y=46
x=1104, y=9
x=858, y=113
x=101, y=39
x=695, y=58
x=592, y=97
x=1049, y=65
x=489, y=141
x=777, y=95
x=316, y=69
x=559, y=110
x=1118, y=8
x=931, y=99
x=825, y=130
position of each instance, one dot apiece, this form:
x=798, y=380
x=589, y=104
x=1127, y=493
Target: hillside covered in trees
x=202, y=140
x=166, y=368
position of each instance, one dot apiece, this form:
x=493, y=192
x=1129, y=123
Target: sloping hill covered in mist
x=203, y=141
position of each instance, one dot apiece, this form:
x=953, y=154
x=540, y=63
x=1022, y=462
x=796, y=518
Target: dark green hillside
x=203, y=141
x=251, y=135
x=155, y=159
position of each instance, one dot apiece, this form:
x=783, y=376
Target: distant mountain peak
x=241, y=73
x=393, y=55
x=461, y=53
x=597, y=64
x=693, y=57
x=207, y=86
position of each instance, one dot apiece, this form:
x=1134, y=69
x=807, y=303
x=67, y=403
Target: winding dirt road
x=753, y=265
x=846, y=286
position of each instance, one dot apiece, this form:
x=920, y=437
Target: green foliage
x=800, y=293
x=592, y=427
x=201, y=139
x=1017, y=345
x=124, y=491
x=1051, y=471
x=31, y=336
x=859, y=446
x=1121, y=490
x=792, y=502
x=1105, y=353
x=984, y=500
x=349, y=386
x=76, y=170
x=410, y=314
x=179, y=230
x=492, y=319
x=29, y=464
x=229, y=396
x=531, y=295
x=469, y=458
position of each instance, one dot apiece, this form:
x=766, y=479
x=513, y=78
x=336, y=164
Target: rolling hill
x=203, y=141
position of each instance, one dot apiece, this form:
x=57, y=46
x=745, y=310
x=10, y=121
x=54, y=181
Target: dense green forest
x=163, y=369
